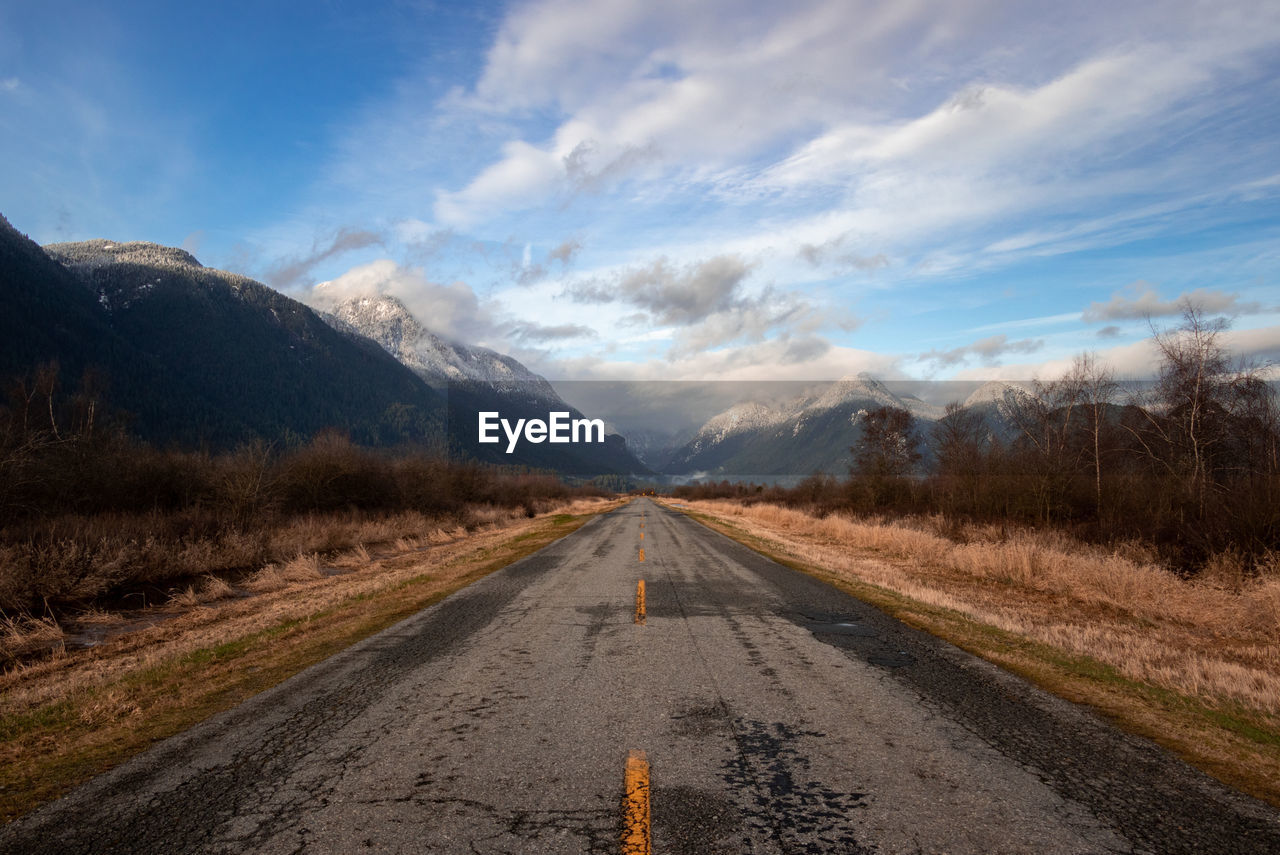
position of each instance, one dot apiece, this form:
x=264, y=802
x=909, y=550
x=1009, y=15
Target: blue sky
x=662, y=190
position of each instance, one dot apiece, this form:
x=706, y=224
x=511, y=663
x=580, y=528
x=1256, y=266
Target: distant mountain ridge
x=205, y=358
x=814, y=431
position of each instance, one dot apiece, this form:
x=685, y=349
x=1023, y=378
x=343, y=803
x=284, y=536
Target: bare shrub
x=86, y=510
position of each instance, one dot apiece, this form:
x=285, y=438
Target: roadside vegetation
x=143, y=589
x=93, y=522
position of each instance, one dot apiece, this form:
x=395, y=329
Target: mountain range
x=204, y=358
x=198, y=357
x=815, y=430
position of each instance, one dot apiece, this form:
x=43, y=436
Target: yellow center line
x=640, y=602
x=635, y=806
x=642, y=535
x=642, y=553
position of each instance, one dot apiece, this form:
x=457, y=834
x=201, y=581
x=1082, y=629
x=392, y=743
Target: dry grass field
x=1194, y=664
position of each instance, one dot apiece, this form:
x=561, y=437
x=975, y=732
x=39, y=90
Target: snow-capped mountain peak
x=387, y=320
x=996, y=391
x=860, y=387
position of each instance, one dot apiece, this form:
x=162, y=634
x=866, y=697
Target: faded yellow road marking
x=642, y=535
x=635, y=806
x=640, y=601
x=642, y=553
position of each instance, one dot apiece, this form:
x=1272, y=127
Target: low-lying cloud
x=566, y=251
x=533, y=332
x=293, y=271
x=451, y=310
x=836, y=253
x=989, y=350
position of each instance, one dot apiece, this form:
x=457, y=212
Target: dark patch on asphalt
x=700, y=720
x=778, y=799
x=600, y=616
x=689, y=821
x=592, y=828
x=849, y=634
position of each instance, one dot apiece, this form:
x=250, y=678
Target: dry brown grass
x=1216, y=638
x=19, y=635
x=303, y=568
x=75, y=559
x=64, y=718
x=269, y=578
x=353, y=558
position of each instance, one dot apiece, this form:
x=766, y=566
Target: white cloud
x=683, y=86
x=1141, y=300
x=524, y=173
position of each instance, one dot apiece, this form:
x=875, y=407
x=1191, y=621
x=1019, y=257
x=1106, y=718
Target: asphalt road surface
x=776, y=715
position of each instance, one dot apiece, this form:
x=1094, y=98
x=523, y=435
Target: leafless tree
x=1092, y=387
x=962, y=444
x=1183, y=423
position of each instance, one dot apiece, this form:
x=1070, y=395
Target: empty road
x=775, y=715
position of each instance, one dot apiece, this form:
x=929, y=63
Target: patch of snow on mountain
x=997, y=391
x=739, y=418
x=92, y=254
